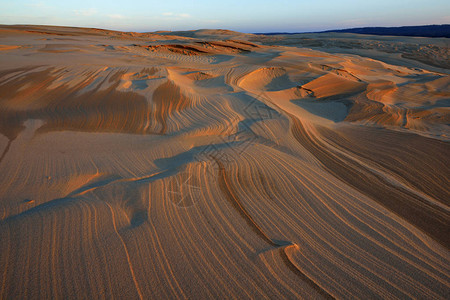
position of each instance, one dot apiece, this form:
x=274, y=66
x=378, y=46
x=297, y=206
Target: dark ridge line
x=231, y=196
x=309, y=91
x=172, y=47
x=6, y=150
x=295, y=270
x=217, y=44
x=244, y=43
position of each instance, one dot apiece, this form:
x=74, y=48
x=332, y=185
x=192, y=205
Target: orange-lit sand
x=214, y=164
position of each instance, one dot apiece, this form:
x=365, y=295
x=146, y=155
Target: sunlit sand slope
x=207, y=165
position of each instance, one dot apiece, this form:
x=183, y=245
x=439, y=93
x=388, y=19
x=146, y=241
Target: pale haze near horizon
x=244, y=16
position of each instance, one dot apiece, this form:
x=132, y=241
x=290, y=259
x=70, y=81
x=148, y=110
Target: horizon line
x=261, y=32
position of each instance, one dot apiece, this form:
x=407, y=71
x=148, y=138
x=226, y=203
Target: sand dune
x=215, y=164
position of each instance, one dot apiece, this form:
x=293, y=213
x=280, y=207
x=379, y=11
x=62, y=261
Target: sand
x=216, y=164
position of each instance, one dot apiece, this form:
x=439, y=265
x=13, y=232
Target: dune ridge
x=215, y=164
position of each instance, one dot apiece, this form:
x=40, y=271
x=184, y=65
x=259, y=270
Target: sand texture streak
x=215, y=164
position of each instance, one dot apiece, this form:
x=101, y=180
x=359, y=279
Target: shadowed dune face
x=68, y=108
x=168, y=99
x=206, y=165
x=202, y=48
x=98, y=102
x=177, y=49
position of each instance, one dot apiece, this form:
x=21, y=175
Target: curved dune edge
x=202, y=164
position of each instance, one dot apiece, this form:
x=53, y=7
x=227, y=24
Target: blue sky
x=242, y=15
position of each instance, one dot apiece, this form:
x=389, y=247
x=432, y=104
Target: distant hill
x=423, y=31
x=426, y=31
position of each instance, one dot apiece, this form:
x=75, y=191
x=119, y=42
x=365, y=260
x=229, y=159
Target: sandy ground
x=215, y=164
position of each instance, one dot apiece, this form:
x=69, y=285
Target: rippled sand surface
x=214, y=164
